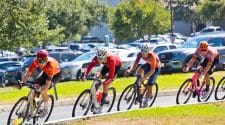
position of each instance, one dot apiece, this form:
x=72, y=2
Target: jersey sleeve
x=112, y=67
x=137, y=60
x=153, y=61
x=32, y=66
x=91, y=65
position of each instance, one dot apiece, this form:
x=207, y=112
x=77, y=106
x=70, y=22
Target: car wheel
x=78, y=74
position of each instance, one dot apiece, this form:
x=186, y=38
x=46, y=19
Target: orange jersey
x=152, y=59
x=51, y=68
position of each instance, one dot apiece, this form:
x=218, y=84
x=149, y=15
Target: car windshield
x=85, y=56
x=193, y=42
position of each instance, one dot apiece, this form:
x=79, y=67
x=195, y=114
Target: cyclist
x=211, y=59
x=112, y=64
x=151, y=70
x=50, y=74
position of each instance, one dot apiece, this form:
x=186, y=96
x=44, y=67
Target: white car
x=72, y=70
x=207, y=30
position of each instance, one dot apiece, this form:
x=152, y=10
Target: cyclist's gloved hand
x=127, y=73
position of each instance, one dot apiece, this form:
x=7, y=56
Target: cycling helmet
x=101, y=53
x=42, y=54
x=203, y=46
x=144, y=48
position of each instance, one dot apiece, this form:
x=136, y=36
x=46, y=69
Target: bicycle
x=91, y=98
x=130, y=93
x=27, y=109
x=195, y=86
x=220, y=88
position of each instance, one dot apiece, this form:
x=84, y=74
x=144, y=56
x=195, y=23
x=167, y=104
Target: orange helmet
x=203, y=46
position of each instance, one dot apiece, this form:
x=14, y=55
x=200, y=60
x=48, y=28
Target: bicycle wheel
x=204, y=96
x=220, y=90
x=185, y=91
x=82, y=104
x=127, y=98
x=40, y=107
x=19, y=110
x=154, y=95
x=111, y=98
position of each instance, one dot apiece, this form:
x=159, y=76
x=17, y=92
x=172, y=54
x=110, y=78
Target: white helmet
x=101, y=53
x=144, y=47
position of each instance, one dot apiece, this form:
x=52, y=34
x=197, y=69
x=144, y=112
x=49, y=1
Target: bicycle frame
x=195, y=77
x=93, y=91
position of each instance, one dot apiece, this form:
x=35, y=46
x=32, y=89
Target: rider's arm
x=135, y=65
x=91, y=65
x=29, y=72
x=153, y=66
x=26, y=76
x=112, y=67
x=191, y=62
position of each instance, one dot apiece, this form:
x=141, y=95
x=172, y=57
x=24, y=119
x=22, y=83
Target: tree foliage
x=77, y=16
x=212, y=10
x=23, y=23
x=135, y=18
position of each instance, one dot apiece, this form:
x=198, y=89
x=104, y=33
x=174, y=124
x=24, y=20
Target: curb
x=71, y=101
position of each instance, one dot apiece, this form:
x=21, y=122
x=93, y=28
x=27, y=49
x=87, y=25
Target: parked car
x=178, y=36
x=175, y=59
x=80, y=47
x=91, y=39
x=176, y=41
x=10, y=70
x=65, y=56
x=72, y=70
x=207, y=30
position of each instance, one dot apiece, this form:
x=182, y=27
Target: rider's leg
x=105, y=94
x=140, y=93
x=207, y=81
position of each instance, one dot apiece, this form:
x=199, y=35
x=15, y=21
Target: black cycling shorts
x=42, y=79
x=105, y=70
x=213, y=66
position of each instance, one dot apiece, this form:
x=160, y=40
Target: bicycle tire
x=87, y=91
x=25, y=98
x=180, y=90
x=221, y=84
x=35, y=119
x=155, y=94
x=129, y=88
x=113, y=98
x=212, y=84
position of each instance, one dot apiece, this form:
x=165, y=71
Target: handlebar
x=29, y=85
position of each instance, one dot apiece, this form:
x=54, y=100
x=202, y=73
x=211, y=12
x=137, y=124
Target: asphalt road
x=62, y=112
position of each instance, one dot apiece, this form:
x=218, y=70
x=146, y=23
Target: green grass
x=74, y=88
x=201, y=114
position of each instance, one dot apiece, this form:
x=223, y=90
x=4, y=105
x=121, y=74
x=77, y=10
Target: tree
x=77, y=16
x=212, y=10
x=23, y=23
x=136, y=18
